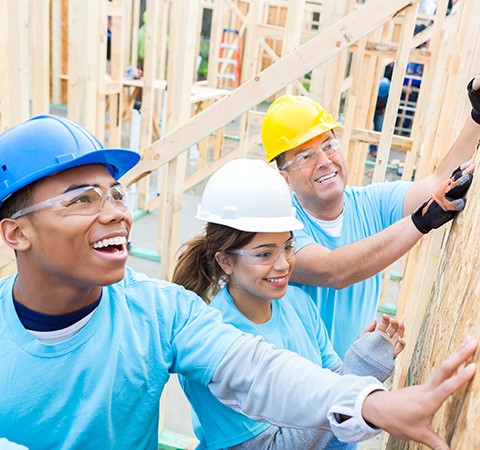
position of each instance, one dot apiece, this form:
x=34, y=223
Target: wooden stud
x=4, y=72
x=18, y=57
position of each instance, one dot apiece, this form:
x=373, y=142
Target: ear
x=286, y=177
x=14, y=236
x=225, y=262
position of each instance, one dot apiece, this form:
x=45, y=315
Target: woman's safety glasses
x=266, y=255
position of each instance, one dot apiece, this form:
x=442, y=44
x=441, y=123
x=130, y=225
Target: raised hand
x=393, y=330
x=445, y=202
x=408, y=413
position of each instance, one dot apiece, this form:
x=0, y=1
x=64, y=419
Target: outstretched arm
x=318, y=266
x=461, y=151
x=280, y=387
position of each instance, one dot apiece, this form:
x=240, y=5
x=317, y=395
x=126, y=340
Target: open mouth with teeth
x=279, y=282
x=326, y=177
x=111, y=245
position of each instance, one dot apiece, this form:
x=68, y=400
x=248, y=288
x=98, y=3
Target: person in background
x=352, y=233
x=241, y=265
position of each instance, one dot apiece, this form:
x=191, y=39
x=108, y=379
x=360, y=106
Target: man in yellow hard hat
x=352, y=233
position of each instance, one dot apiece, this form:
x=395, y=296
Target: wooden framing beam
x=39, y=30
x=4, y=72
x=325, y=45
x=18, y=61
x=395, y=92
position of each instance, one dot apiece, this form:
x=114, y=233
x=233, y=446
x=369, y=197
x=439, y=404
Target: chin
x=113, y=277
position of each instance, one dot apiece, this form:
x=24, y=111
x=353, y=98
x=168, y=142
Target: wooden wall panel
x=452, y=313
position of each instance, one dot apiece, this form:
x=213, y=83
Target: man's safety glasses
x=309, y=157
x=266, y=255
x=84, y=201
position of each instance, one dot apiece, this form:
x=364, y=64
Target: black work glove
x=474, y=97
x=446, y=201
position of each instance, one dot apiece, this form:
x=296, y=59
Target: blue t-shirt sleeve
x=390, y=198
x=309, y=313
x=303, y=239
x=329, y=355
x=199, y=337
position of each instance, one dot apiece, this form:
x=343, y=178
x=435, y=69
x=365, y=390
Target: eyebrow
x=271, y=245
x=72, y=187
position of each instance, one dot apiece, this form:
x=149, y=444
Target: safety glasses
x=84, y=201
x=267, y=255
x=309, y=157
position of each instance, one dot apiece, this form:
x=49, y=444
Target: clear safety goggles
x=84, y=201
x=309, y=157
x=267, y=255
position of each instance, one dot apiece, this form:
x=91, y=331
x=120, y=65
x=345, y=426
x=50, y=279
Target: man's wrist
x=372, y=408
x=475, y=116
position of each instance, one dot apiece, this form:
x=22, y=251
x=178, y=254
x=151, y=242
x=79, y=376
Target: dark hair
x=280, y=160
x=197, y=269
x=17, y=201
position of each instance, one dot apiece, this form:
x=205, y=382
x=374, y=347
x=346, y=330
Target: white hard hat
x=249, y=195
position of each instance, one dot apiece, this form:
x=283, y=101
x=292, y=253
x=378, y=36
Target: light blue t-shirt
x=294, y=325
x=367, y=210
x=101, y=388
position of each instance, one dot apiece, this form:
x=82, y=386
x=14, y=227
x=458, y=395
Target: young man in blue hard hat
x=87, y=345
x=352, y=233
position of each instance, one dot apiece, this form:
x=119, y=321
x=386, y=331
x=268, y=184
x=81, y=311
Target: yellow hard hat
x=292, y=120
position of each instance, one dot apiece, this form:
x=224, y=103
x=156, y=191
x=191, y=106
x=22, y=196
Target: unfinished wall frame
x=342, y=46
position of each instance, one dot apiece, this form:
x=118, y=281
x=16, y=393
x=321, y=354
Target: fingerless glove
x=445, y=203
x=474, y=97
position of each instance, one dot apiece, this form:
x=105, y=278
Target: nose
x=322, y=158
x=110, y=211
x=282, y=262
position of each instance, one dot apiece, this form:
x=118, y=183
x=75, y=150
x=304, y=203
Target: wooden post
x=395, y=92
x=4, y=72
x=40, y=55
x=56, y=51
x=87, y=50
x=293, y=31
x=180, y=80
x=18, y=61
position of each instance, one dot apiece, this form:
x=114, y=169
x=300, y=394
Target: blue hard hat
x=384, y=87
x=47, y=144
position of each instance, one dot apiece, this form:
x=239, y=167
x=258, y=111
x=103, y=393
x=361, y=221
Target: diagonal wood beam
x=312, y=53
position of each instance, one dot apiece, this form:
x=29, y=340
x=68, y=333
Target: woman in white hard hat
x=244, y=260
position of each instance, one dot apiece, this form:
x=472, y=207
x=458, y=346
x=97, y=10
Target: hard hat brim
x=117, y=161
x=315, y=131
x=257, y=225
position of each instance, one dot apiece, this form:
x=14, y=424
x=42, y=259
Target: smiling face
x=319, y=187
x=68, y=257
x=253, y=286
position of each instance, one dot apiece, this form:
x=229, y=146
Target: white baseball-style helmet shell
x=249, y=195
